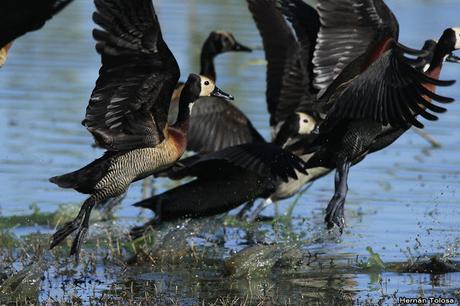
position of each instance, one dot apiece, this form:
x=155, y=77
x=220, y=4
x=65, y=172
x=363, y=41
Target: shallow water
x=403, y=201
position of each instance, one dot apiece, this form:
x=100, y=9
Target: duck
x=128, y=109
x=380, y=28
x=22, y=16
x=374, y=118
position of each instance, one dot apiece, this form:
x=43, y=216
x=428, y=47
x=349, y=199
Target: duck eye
x=305, y=120
x=206, y=83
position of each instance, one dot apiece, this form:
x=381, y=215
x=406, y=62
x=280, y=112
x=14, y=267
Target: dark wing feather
x=279, y=45
x=264, y=159
x=297, y=88
x=391, y=92
x=17, y=17
x=129, y=106
x=216, y=124
x=306, y=23
x=349, y=29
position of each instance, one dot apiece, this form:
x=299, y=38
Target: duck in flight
x=128, y=109
x=370, y=109
x=17, y=17
x=371, y=28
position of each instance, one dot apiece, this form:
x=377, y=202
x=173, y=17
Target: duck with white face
x=128, y=109
x=298, y=126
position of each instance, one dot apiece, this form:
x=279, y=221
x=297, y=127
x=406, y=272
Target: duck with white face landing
x=129, y=119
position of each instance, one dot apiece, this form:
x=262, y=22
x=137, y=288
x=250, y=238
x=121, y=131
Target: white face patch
x=207, y=86
x=306, y=124
x=457, y=37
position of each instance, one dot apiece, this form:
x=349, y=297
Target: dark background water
x=406, y=196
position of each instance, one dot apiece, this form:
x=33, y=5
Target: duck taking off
x=128, y=110
x=17, y=17
x=372, y=110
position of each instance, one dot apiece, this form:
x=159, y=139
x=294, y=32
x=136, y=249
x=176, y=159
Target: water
x=403, y=198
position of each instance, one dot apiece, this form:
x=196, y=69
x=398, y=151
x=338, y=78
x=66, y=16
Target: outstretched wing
x=216, y=124
x=350, y=28
x=129, y=106
x=17, y=17
x=391, y=92
x=279, y=45
x=264, y=159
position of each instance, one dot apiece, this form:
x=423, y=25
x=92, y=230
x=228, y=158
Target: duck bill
x=217, y=92
x=452, y=58
x=241, y=48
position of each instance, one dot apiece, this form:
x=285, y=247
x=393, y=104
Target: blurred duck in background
x=17, y=17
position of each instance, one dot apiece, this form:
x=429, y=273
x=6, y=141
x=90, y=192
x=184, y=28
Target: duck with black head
x=128, y=109
x=218, y=42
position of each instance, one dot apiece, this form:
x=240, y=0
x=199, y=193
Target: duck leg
x=80, y=223
x=253, y=216
x=107, y=207
x=240, y=215
x=335, y=213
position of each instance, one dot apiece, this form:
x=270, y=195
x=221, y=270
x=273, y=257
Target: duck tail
x=148, y=203
x=85, y=179
x=203, y=198
x=69, y=180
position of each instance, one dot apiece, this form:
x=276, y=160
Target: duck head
x=196, y=86
x=449, y=42
x=200, y=86
x=299, y=125
x=221, y=42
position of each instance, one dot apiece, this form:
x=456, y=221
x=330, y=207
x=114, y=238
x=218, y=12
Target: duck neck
x=183, y=116
x=207, y=61
x=440, y=53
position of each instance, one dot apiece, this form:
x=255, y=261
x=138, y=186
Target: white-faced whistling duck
x=17, y=17
x=216, y=174
x=128, y=110
x=379, y=26
x=356, y=120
